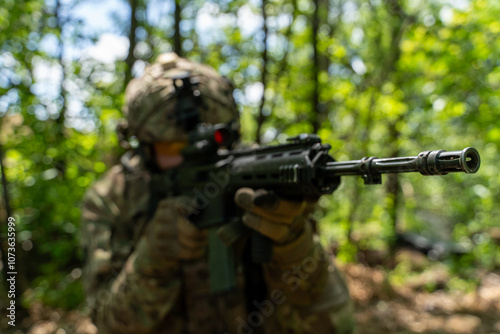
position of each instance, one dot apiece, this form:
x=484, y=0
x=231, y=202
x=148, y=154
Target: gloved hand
x=170, y=237
x=280, y=220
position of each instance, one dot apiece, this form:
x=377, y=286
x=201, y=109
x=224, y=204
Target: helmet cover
x=151, y=102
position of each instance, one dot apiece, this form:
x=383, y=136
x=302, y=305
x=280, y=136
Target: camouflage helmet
x=151, y=101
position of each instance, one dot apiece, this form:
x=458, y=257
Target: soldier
x=146, y=265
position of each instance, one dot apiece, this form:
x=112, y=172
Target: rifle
x=300, y=169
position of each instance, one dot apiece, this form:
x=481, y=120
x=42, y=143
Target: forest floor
x=422, y=303
x=383, y=308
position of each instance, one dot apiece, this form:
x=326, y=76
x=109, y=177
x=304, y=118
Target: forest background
x=380, y=77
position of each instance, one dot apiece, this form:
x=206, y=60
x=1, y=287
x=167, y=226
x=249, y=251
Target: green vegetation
x=378, y=78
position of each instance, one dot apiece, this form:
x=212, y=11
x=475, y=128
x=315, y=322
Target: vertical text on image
x=11, y=270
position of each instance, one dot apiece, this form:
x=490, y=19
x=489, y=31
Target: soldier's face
x=168, y=153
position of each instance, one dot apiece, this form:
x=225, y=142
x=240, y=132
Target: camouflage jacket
x=304, y=292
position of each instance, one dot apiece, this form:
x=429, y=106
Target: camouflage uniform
x=304, y=292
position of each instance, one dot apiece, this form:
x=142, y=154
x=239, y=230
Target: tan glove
x=169, y=238
x=280, y=220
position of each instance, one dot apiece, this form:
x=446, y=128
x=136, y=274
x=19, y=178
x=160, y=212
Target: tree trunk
x=177, y=29
x=59, y=162
x=392, y=188
x=315, y=112
x=262, y=117
x=132, y=42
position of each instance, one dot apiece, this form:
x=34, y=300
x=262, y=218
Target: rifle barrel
x=438, y=162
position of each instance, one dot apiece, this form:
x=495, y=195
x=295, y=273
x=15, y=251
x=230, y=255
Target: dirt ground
x=380, y=306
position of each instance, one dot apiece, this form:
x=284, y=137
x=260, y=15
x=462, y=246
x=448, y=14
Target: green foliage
x=389, y=78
